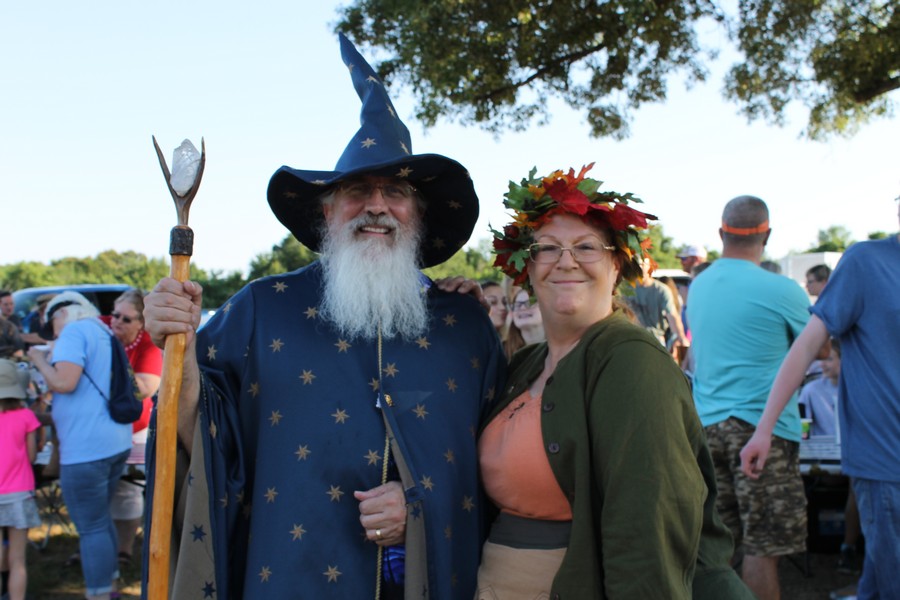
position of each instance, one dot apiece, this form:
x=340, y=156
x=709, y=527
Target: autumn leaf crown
x=536, y=200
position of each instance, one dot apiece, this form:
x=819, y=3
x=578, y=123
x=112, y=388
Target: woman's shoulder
x=614, y=330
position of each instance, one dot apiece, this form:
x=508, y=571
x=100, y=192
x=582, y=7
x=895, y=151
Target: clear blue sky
x=85, y=85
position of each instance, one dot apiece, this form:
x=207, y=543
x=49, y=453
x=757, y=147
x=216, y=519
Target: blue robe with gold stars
x=288, y=429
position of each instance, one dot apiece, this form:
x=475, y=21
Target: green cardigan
x=624, y=441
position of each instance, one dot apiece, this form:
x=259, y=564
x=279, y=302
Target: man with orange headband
x=743, y=320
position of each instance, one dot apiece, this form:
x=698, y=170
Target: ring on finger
x=377, y=534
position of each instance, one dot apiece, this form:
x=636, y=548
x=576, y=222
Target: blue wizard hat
x=381, y=147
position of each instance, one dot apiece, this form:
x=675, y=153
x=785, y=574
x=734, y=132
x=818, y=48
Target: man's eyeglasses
x=123, y=318
x=582, y=253
x=360, y=190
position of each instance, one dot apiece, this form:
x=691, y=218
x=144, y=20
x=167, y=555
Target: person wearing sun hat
x=594, y=456
x=328, y=415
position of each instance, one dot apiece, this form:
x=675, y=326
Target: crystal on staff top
x=185, y=163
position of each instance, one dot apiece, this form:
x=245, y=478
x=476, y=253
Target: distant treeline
x=139, y=271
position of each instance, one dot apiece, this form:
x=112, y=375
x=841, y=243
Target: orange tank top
x=514, y=467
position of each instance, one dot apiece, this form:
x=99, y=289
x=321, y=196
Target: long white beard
x=368, y=282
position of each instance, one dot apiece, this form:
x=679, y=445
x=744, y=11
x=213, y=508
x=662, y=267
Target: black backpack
x=125, y=401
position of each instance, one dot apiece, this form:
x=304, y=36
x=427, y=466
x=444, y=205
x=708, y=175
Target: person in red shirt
x=127, y=324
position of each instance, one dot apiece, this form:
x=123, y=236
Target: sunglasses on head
x=123, y=318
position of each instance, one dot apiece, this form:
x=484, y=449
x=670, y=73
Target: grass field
x=49, y=577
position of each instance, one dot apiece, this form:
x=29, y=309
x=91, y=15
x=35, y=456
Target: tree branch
x=872, y=92
x=568, y=58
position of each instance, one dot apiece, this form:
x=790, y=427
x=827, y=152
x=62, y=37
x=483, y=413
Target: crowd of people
x=62, y=374
x=574, y=428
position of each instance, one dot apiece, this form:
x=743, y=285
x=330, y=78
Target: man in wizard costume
x=328, y=416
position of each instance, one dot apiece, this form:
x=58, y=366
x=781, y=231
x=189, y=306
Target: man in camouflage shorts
x=743, y=321
x=767, y=516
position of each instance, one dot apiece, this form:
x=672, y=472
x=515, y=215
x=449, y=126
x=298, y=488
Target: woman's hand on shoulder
x=462, y=285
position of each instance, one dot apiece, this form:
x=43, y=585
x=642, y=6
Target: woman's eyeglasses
x=582, y=253
x=123, y=318
x=360, y=190
x=522, y=305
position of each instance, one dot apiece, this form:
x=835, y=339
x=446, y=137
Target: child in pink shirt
x=18, y=448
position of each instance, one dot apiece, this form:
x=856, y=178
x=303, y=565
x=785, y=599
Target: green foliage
x=130, y=268
x=839, y=58
x=25, y=274
x=471, y=263
x=498, y=63
x=287, y=256
x=663, y=249
x=218, y=286
x=878, y=235
x=836, y=238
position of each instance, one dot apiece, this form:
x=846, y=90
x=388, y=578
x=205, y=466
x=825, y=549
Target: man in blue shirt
x=743, y=320
x=861, y=307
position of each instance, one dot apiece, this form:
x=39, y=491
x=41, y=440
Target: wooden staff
x=181, y=246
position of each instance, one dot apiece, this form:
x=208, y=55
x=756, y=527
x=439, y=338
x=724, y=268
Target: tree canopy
x=497, y=63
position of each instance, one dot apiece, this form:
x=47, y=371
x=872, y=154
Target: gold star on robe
x=403, y=145
x=448, y=532
x=468, y=504
x=372, y=79
x=343, y=345
x=227, y=308
x=302, y=452
x=240, y=496
x=476, y=364
x=211, y=352
x=451, y=458
x=427, y=483
x=454, y=204
x=368, y=143
x=374, y=384
x=275, y=418
x=297, y=532
x=404, y=172
x=420, y=411
x=340, y=415
x=279, y=287
x=451, y=384
x=276, y=345
x=335, y=493
x=311, y=312
x=224, y=501
x=264, y=574
x=270, y=495
x=213, y=430
x=423, y=343
x=372, y=457
x=307, y=377
x=450, y=320
x=254, y=389
x=391, y=370
x=438, y=243
x=332, y=574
